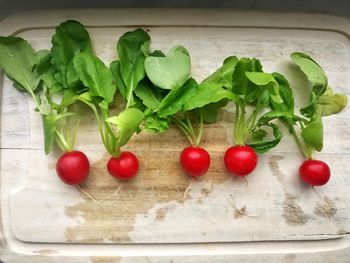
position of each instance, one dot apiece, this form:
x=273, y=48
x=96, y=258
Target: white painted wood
x=39, y=214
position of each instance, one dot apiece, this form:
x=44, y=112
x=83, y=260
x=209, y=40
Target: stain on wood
x=205, y=192
x=160, y=180
x=239, y=212
x=326, y=208
x=275, y=169
x=293, y=213
x=105, y=259
x=161, y=214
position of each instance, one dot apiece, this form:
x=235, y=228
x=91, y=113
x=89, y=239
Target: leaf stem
x=107, y=125
x=239, y=125
x=189, y=125
x=98, y=119
x=75, y=131
x=62, y=143
x=128, y=100
x=183, y=127
x=36, y=102
x=110, y=137
x=235, y=124
x=200, y=132
x=306, y=151
x=250, y=123
x=66, y=130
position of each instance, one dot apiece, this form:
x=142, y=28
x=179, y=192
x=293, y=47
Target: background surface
x=336, y=7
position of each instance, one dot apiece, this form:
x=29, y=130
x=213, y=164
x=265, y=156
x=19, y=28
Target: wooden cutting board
x=271, y=216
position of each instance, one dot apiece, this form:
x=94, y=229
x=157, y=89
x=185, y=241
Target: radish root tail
x=111, y=195
x=86, y=193
x=187, y=190
x=81, y=190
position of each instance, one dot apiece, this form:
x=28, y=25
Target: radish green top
x=158, y=90
x=322, y=102
x=101, y=83
x=244, y=82
x=46, y=73
x=170, y=95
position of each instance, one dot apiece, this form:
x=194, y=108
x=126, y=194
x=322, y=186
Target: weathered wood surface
x=40, y=214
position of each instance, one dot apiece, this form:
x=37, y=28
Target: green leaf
x=310, y=110
x=138, y=104
x=43, y=61
x=127, y=122
x=46, y=71
x=42, y=54
x=118, y=79
x=208, y=92
x=330, y=103
x=49, y=126
x=286, y=95
x=260, y=145
x=265, y=80
x=260, y=78
x=86, y=96
x=45, y=101
x=169, y=72
x=312, y=134
x=176, y=98
x=131, y=48
x=210, y=111
x=157, y=53
x=271, y=115
x=241, y=85
x=69, y=39
x=147, y=93
x=154, y=124
x=69, y=97
x=223, y=75
x=17, y=59
x=73, y=79
x=96, y=76
x=258, y=135
x=312, y=70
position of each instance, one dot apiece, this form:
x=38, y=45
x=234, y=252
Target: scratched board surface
x=271, y=204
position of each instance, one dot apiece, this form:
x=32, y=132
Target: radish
x=314, y=172
x=195, y=161
x=102, y=83
x=240, y=160
x=73, y=167
x=171, y=73
x=322, y=102
x=125, y=166
x=247, y=85
x=170, y=95
x=43, y=75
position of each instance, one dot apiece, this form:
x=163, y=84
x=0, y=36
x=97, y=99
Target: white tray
x=44, y=220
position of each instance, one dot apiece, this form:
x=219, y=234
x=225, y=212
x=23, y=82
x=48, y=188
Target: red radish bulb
x=240, y=160
x=315, y=172
x=73, y=167
x=195, y=161
x=125, y=166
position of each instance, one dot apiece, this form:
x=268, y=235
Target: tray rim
x=18, y=22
